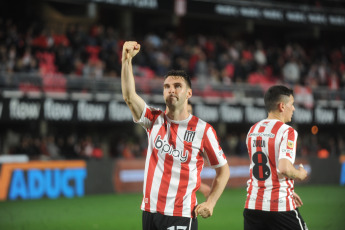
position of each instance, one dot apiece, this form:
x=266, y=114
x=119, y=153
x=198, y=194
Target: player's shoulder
x=270, y=124
x=202, y=123
x=152, y=113
x=285, y=128
x=154, y=110
x=153, y=107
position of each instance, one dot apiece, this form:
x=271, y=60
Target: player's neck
x=276, y=116
x=177, y=115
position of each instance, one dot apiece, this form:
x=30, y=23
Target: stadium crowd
x=94, y=53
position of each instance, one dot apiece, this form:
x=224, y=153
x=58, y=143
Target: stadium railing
x=66, y=84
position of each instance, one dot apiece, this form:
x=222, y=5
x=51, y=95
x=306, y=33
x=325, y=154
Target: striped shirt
x=268, y=141
x=175, y=158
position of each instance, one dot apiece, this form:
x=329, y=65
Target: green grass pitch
x=324, y=208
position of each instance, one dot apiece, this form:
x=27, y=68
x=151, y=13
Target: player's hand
x=204, y=209
x=302, y=172
x=129, y=50
x=297, y=199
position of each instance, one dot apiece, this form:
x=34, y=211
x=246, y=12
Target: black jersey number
x=260, y=170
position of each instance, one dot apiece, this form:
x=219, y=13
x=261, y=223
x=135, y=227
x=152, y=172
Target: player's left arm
x=205, y=209
x=287, y=169
x=287, y=156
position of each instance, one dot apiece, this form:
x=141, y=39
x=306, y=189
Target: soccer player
x=177, y=143
x=271, y=201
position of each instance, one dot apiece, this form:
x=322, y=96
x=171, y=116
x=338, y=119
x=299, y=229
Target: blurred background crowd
x=56, y=52
x=95, y=52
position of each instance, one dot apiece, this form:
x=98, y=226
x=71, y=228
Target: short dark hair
x=179, y=73
x=275, y=95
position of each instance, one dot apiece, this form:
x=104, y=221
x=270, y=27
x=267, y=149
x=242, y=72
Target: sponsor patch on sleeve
x=290, y=144
x=289, y=153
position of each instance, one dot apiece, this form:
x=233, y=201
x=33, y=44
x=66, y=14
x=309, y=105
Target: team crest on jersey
x=189, y=136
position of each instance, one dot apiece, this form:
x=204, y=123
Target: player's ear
x=189, y=93
x=281, y=106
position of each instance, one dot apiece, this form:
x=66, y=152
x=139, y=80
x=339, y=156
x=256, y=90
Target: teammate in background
x=204, y=188
x=271, y=201
x=177, y=143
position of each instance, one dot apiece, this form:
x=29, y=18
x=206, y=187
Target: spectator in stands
x=36, y=148
x=127, y=152
x=69, y=150
x=86, y=147
x=26, y=147
x=304, y=96
x=291, y=72
x=27, y=62
x=52, y=148
x=97, y=152
x=11, y=59
x=241, y=147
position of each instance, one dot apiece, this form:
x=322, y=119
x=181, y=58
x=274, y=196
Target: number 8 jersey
x=268, y=141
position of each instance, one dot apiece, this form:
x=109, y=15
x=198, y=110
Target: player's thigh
x=175, y=223
x=254, y=220
x=291, y=220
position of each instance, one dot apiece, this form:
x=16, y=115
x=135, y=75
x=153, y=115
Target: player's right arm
x=135, y=103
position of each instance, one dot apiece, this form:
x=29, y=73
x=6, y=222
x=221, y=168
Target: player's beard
x=172, y=102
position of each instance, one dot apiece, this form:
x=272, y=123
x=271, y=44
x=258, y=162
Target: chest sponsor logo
x=165, y=148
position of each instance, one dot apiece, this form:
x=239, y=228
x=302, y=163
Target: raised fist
x=130, y=49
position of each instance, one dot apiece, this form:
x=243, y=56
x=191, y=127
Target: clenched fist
x=129, y=50
x=204, y=210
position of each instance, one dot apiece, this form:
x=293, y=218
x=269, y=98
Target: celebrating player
x=271, y=201
x=178, y=142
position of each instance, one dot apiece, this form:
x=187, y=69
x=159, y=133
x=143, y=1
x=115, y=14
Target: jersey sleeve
x=148, y=117
x=288, y=145
x=212, y=150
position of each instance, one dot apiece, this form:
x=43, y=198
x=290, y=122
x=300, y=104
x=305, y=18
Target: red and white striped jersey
x=268, y=141
x=174, y=161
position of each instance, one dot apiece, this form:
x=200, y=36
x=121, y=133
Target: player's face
x=289, y=109
x=175, y=91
